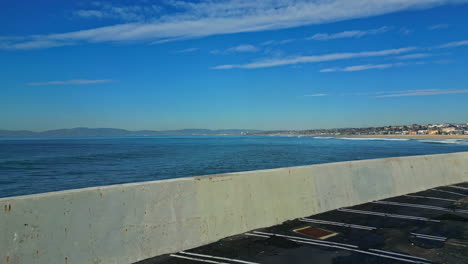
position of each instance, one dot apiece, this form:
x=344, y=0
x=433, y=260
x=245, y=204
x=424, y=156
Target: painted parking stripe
x=316, y=221
x=422, y=237
x=197, y=259
x=250, y=234
x=430, y=197
x=216, y=257
x=430, y=207
x=324, y=222
x=415, y=205
x=458, y=187
x=438, y=237
x=461, y=194
x=397, y=254
x=307, y=239
x=384, y=254
x=412, y=205
x=388, y=215
x=430, y=238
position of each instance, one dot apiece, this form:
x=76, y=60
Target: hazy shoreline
x=398, y=136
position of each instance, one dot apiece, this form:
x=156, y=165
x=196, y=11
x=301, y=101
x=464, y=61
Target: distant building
x=433, y=132
x=448, y=130
x=422, y=132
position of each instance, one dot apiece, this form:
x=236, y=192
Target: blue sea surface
x=29, y=166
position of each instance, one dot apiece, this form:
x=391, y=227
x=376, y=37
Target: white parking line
x=429, y=197
x=415, y=206
x=215, y=257
x=197, y=259
x=461, y=194
x=458, y=187
x=387, y=254
x=438, y=237
x=316, y=221
x=430, y=207
x=442, y=239
x=397, y=254
x=250, y=234
x=307, y=239
x=388, y=215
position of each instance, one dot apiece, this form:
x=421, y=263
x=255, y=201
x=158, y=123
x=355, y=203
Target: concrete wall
x=131, y=222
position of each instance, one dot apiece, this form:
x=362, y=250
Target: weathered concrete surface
x=131, y=222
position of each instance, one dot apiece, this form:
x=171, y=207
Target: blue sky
x=276, y=64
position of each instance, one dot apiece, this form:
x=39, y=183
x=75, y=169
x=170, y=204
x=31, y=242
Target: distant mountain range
x=113, y=132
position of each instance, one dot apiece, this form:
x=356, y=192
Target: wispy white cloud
x=90, y=13
x=414, y=56
x=277, y=42
x=200, y=19
x=136, y=12
x=282, y=61
x=425, y=92
x=70, y=82
x=438, y=26
x=35, y=44
x=364, y=67
x=224, y=67
x=237, y=49
x=406, y=31
x=188, y=50
x=243, y=48
x=316, y=95
x=329, y=70
x=314, y=59
x=454, y=44
x=444, y=61
x=349, y=34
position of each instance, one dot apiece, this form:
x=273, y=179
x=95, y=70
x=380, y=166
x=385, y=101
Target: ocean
x=29, y=166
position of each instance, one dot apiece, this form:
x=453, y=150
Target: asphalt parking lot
x=425, y=227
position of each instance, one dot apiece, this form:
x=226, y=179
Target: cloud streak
x=314, y=59
x=315, y=95
x=364, y=67
x=426, y=92
x=414, y=56
x=349, y=34
x=106, y=10
x=70, y=82
x=244, y=48
x=438, y=26
x=189, y=50
x=454, y=44
x=201, y=19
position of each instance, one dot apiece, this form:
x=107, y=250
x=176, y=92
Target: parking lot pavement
x=425, y=227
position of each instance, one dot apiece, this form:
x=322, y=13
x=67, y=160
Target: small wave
x=444, y=141
x=385, y=139
x=323, y=137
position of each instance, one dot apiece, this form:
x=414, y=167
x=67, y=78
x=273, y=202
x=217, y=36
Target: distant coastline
x=397, y=136
x=415, y=131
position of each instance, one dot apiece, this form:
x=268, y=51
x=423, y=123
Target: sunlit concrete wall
x=131, y=222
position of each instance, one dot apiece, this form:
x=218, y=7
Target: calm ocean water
x=30, y=166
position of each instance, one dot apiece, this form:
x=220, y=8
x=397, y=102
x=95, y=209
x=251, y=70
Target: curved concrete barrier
x=131, y=222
